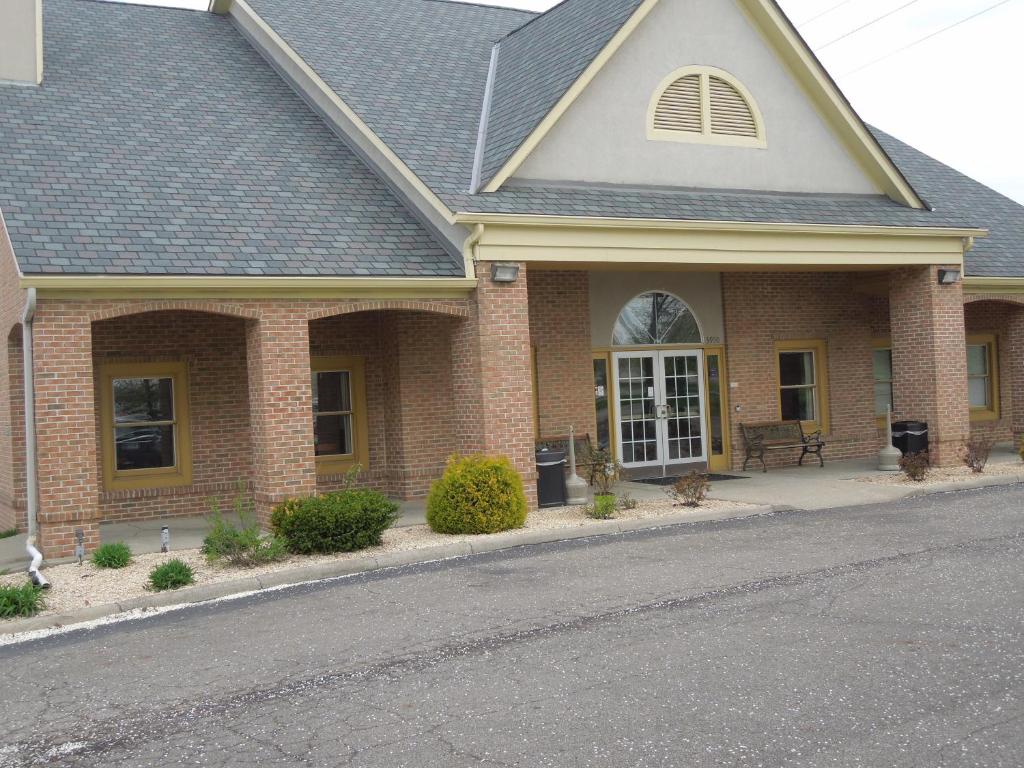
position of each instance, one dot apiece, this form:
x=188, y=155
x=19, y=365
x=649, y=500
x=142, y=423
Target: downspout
x=31, y=477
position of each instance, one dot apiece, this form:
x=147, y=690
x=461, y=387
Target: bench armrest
x=813, y=437
x=753, y=440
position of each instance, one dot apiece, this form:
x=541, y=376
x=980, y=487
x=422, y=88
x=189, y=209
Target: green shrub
x=344, y=521
x=477, y=494
x=115, y=555
x=603, y=508
x=244, y=545
x=916, y=466
x=8, y=533
x=691, y=489
x=173, y=574
x=16, y=602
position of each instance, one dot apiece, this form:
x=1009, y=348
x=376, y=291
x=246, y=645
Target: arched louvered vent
x=706, y=105
x=679, y=108
x=730, y=113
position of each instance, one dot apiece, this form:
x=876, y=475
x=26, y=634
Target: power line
x=925, y=38
x=826, y=12
x=869, y=24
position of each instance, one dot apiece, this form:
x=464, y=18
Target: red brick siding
x=560, y=332
x=213, y=347
x=764, y=308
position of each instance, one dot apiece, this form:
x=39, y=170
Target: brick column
x=1014, y=349
x=929, y=357
x=492, y=380
x=68, y=473
x=281, y=408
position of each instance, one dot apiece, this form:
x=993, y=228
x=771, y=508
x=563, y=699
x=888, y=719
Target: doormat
x=674, y=480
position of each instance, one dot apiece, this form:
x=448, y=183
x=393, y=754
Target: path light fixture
x=80, y=544
x=504, y=272
x=165, y=538
x=949, y=276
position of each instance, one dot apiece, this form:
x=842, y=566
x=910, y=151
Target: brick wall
x=764, y=308
x=930, y=359
x=998, y=318
x=214, y=349
x=559, y=304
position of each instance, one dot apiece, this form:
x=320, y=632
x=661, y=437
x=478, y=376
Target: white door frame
x=659, y=396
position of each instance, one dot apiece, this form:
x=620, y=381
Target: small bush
x=477, y=494
x=627, y=502
x=173, y=574
x=916, y=466
x=19, y=602
x=115, y=555
x=243, y=546
x=975, y=453
x=603, y=508
x=344, y=521
x=691, y=489
x=8, y=533
x=604, y=470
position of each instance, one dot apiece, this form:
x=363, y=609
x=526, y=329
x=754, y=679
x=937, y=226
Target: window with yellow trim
x=983, y=376
x=340, y=437
x=146, y=436
x=802, y=370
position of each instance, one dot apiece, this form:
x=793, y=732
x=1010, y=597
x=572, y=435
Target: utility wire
x=826, y=12
x=865, y=26
x=925, y=38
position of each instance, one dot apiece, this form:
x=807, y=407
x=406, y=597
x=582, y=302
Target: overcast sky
x=956, y=96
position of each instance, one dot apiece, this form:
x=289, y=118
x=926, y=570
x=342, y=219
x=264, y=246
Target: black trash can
x=551, y=479
x=910, y=436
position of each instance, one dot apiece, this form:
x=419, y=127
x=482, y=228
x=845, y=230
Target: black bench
x=766, y=436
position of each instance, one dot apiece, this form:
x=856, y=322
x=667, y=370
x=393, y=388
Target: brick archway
x=452, y=308
x=123, y=309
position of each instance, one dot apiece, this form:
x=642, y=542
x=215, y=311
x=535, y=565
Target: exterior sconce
x=949, y=276
x=504, y=272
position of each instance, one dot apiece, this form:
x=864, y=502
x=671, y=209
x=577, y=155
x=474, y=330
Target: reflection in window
x=144, y=423
x=883, y=381
x=798, y=385
x=332, y=413
x=979, y=375
x=655, y=318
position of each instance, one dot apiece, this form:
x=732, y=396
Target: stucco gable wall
x=603, y=137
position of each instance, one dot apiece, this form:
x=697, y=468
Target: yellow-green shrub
x=477, y=494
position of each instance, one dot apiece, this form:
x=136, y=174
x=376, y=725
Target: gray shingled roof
x=1001, y=254
x=414, y=70
x=538, y=63
x=161, y=143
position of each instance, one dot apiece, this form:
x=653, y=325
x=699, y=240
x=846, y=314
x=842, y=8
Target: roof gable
x=771, y=22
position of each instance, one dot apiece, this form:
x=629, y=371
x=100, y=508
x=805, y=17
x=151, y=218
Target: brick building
x=260, y=245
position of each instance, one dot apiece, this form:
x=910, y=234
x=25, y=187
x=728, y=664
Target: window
x=144, y=413
x=803, y=382
x=340, y=438
x=882, y=357
x=983, y=376
x=705, y=105
x=655, y=318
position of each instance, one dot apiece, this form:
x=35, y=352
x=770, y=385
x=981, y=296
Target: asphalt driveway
x=873, y=636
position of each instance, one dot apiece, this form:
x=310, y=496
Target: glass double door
x=660, y=398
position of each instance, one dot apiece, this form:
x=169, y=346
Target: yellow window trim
x=881, y=342
x=991, y=343
x=707, y=135
x=356, y=366
x=178, y=475
x=820, y=349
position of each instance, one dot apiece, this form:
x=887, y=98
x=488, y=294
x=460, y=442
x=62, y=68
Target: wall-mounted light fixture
x=949, y=276
x=504, y=272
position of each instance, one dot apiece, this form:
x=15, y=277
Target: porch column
x=65, y=430
x=281, y=408
x=929, y=358
x=492, y=376
x=1014, y=346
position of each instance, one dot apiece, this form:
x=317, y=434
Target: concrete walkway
x=809, y=487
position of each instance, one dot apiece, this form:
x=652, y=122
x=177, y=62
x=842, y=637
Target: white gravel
x=79, y=586
x=944, y=475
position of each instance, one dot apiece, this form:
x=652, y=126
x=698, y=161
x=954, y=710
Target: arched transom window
x=705, y=105
x=656, y=318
